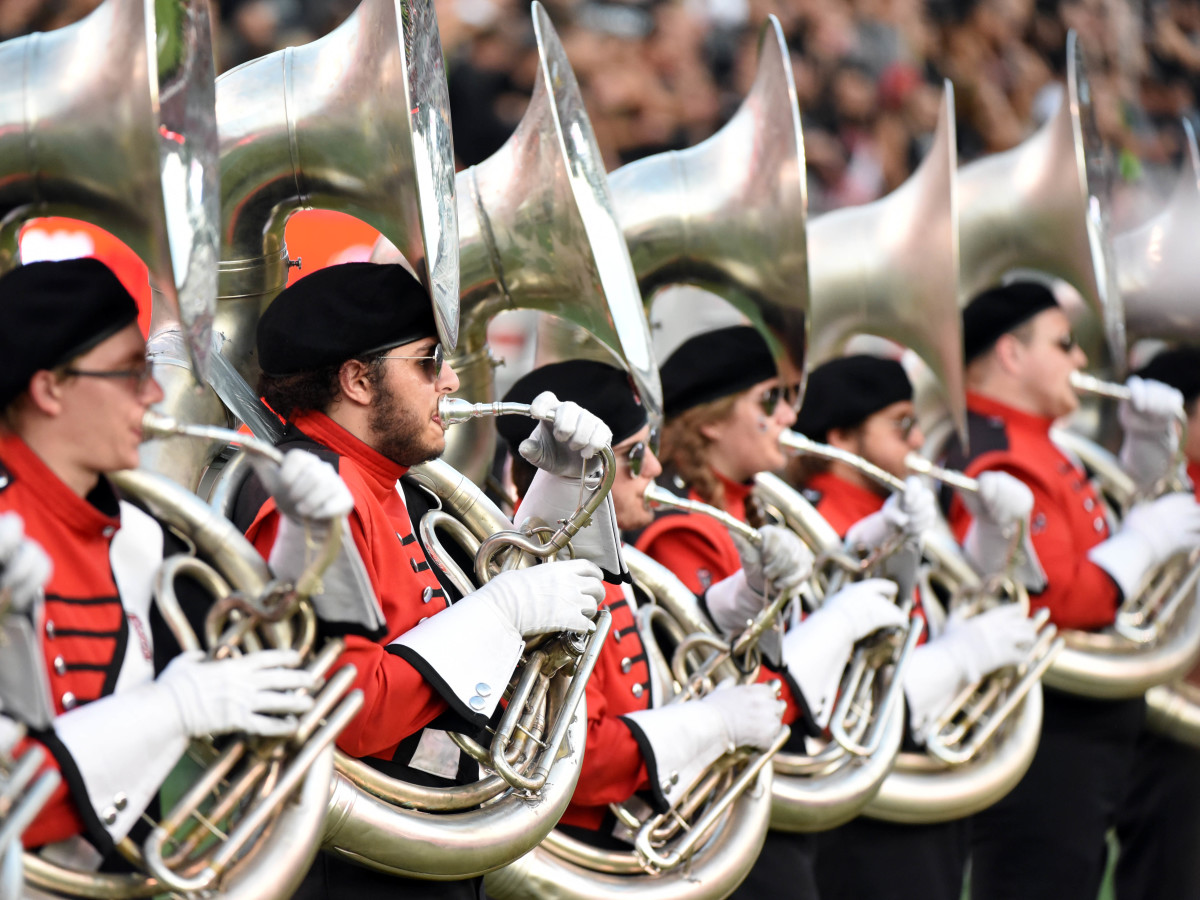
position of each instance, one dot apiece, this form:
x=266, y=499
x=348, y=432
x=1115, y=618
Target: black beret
x=713, y=365
x=53, y=312
x=998, y=311
x=341, y=312
x=596, y=386
x=844, y=392
x=1178, y=368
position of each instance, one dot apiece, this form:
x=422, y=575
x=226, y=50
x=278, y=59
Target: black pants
x=870, y=860
x=1046, y=839
x=333, y=878
x=784, y=870
x=1158, y=825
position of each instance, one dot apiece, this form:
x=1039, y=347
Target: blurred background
x=664, y=74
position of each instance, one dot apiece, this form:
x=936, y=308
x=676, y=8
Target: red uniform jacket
x=699, y=551
x=1068, y=517
x=85, y=629
x=613, y=766
x=400, y=700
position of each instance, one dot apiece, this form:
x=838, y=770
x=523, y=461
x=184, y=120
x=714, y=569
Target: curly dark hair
x=311, y=391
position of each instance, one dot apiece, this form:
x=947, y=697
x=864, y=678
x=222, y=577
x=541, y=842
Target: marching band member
x=863, y=405
x=634, y=742
x=1158, y=823
x=351, y=359
x=1020, y=355
x=73, y=389
x=725, y=409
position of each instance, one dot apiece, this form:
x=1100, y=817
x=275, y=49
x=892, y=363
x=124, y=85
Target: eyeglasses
x=635, y=458
x=769, y=399
x=140, y=376
x=1067, y=343
x=904, y=425
x=431, y=365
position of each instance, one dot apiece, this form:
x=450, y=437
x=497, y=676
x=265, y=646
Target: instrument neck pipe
x=797, y=443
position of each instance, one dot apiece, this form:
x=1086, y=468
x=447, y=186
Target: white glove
x=1151, y=438
x=24, y=566
x=305, y=487
x=685, y=739
x=817, y=650
x=1003, y=502
x=552, y=498
x=1150, y=534
x=783, y=562
x=967, y=651
x=575, y=434
x=553, y=596
x=912, y=512
x=125, y=744
x=250, y=693
x=474, y=645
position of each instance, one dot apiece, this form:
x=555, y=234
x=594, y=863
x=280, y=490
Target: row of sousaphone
x=199, y=176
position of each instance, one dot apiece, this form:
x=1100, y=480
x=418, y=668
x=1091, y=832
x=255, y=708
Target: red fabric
x=613, y=767
x=1193, y=472
x=1067, y=521
x=77, y=536
x=399, y=702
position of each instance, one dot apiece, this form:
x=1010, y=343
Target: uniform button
x=674, y=778
x=50, y=629
x=483, y=689
x=638, y=690
x=626, y=665
x=412, y=561
x=422, y=619
x=1098, y=523
x=477, y=702
x=60, y=665
x=69, y=701
x=666, y=787
x=109, y=815
x=108, y=531
x=3, y=481
x=120, y=801
x=1089, y=504
x=427, y=595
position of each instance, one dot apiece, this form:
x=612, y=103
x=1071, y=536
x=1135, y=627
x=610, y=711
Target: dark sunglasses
x=431, y=365
x=635, y=458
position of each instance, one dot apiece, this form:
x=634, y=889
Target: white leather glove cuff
x=1126, y=556
x=679, y=742
x=554, y=497
x=932, y=678
x=347, y=598
x=816, y=652
x=124, y=746
x=467, y=652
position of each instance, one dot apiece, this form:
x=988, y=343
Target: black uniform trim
x=411, y=539
x=610, y=578
x=84, y=601
x=93, y=827
x=655, y=794
x=438, y=683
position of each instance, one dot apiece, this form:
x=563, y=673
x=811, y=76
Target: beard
x=398, y=432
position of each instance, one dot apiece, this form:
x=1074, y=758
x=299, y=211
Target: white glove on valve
x=1003, y=502
x=1150, y=534
x=553, y=596
x=912, y=512
x=1151, y=438
x=575, y=434
x=969, y=649
x=24, y=566
x=782, y=563
x=816, y=651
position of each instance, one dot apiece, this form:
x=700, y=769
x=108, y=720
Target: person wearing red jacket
x=351, y=359
x=635, y=742
x=1020, y=354
x=1158, y=823
x=87, y=664
x=863, y=405
x=725, y=410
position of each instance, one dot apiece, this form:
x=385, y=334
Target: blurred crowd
x=664, y=74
